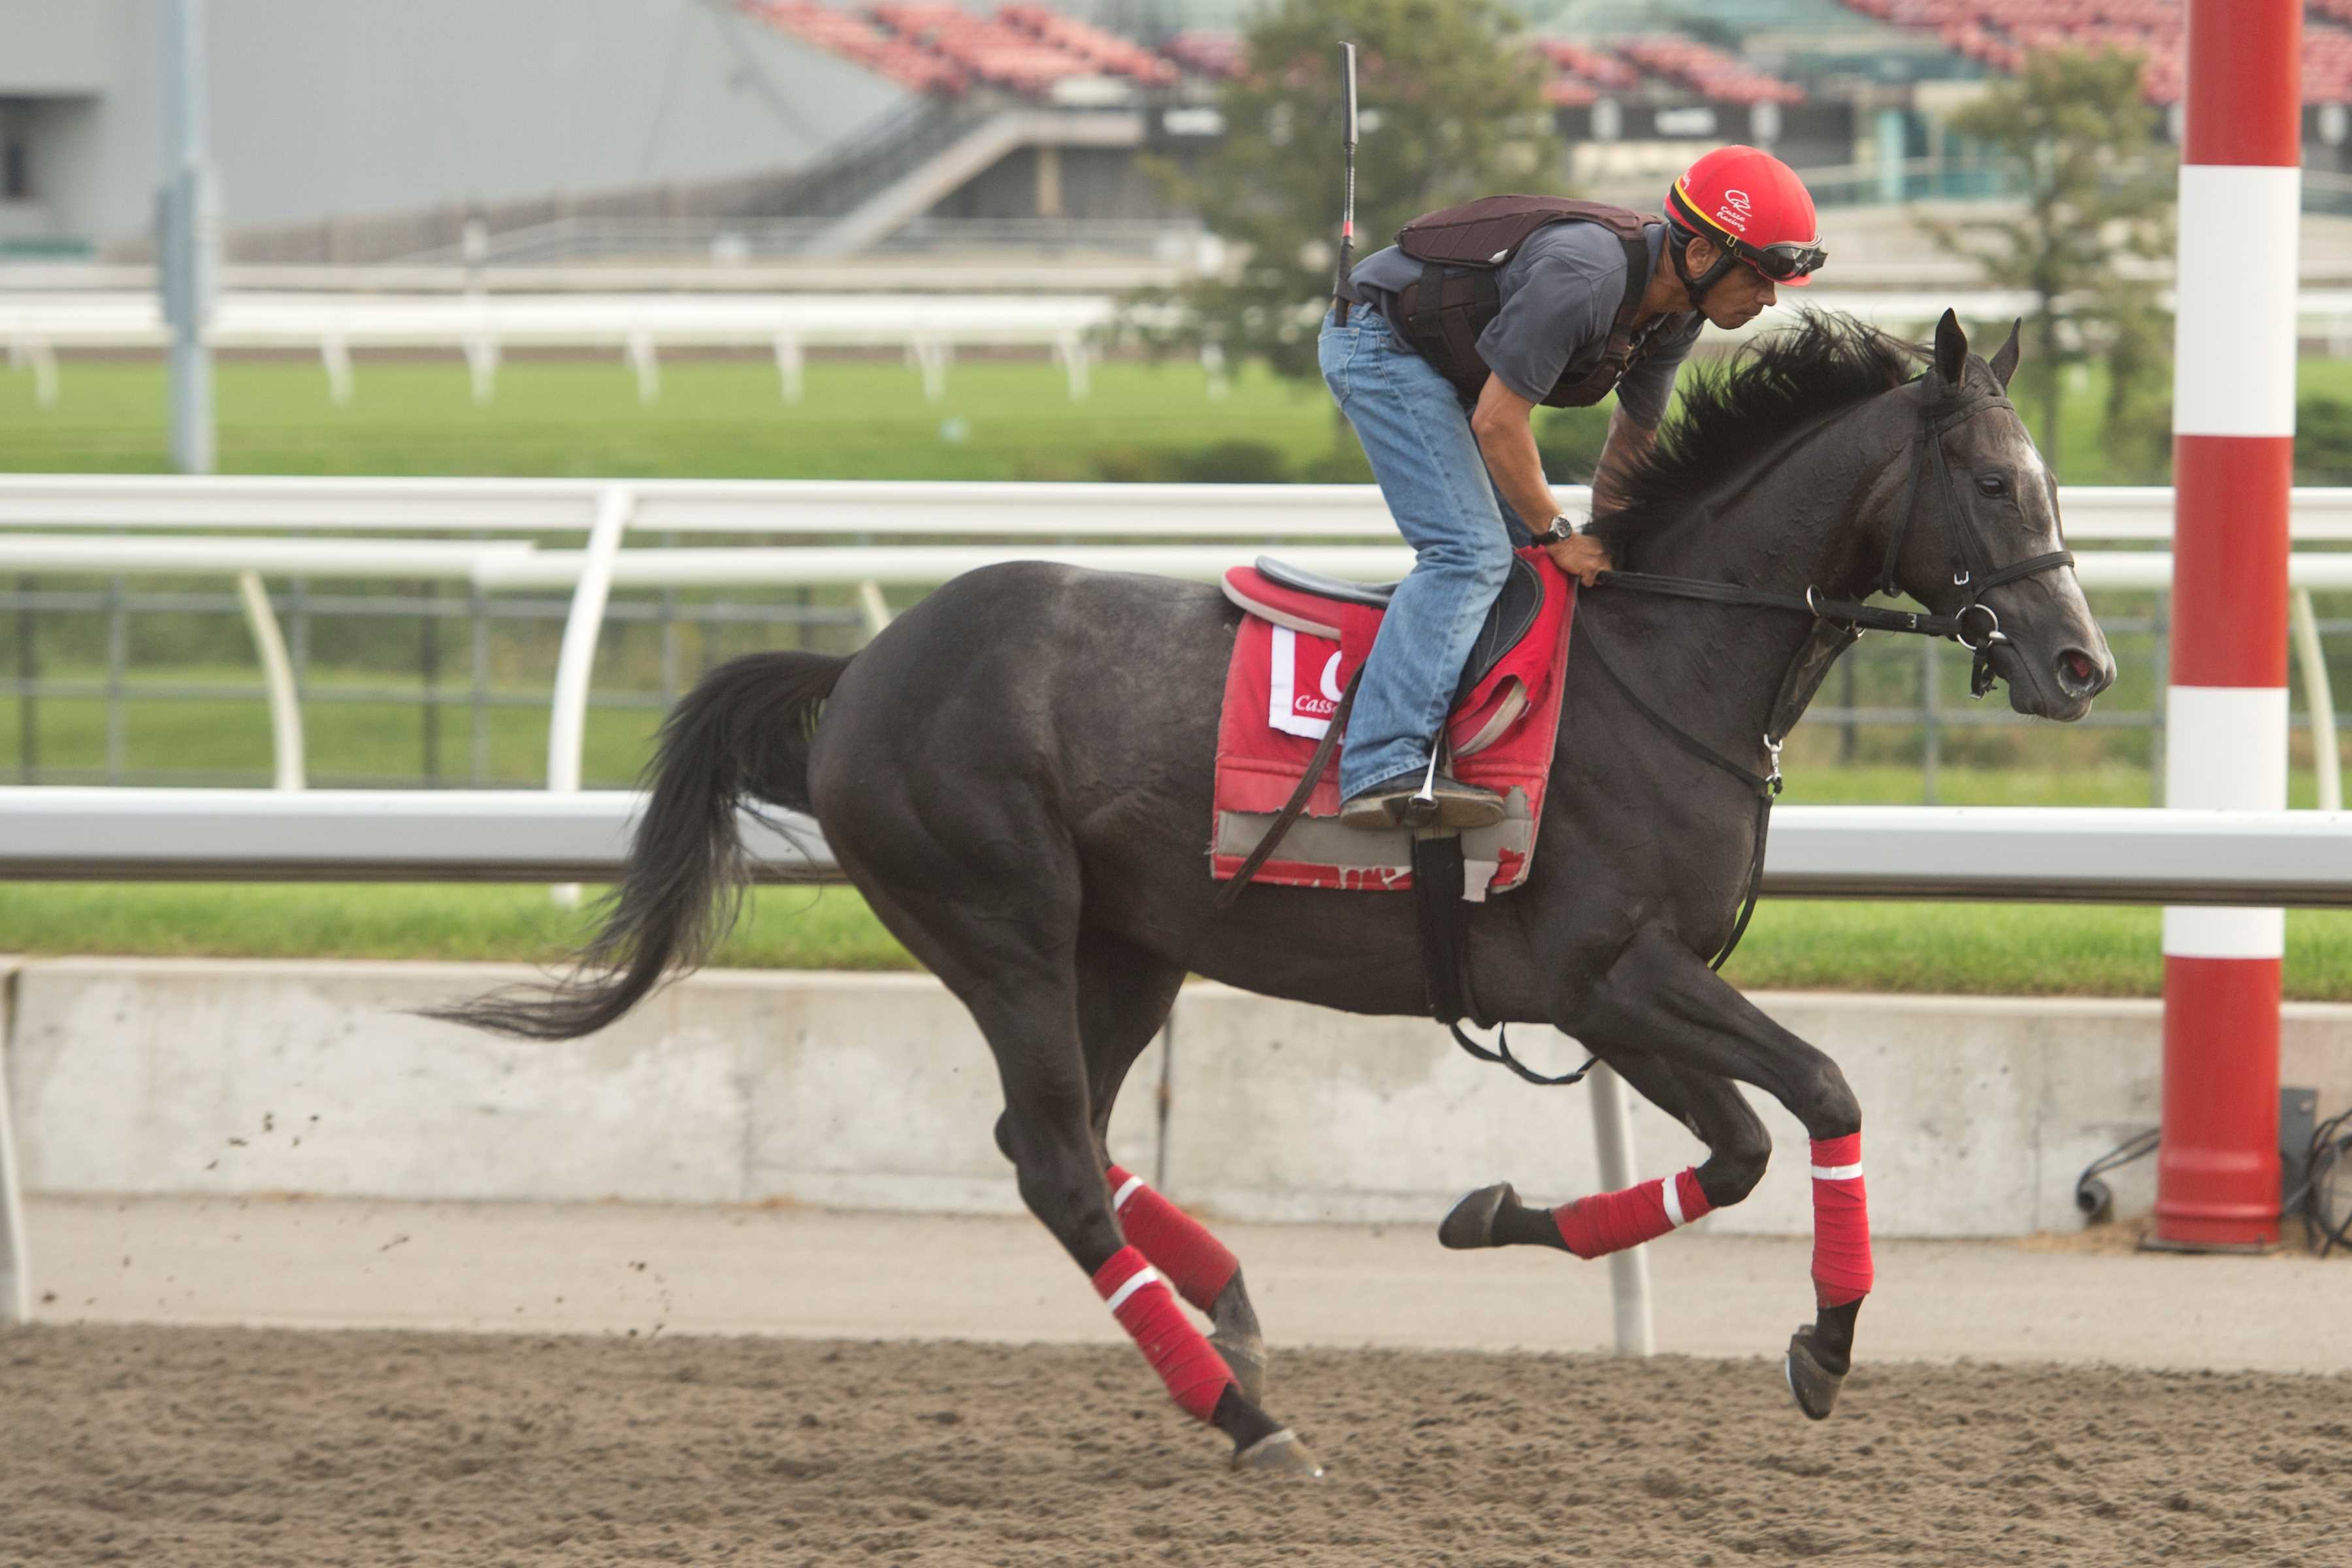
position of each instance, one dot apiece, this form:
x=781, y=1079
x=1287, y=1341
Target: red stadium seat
x=2002, y=33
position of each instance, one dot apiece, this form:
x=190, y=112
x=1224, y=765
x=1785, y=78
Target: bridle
x=1974, y=625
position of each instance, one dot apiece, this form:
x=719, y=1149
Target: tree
x=2077, y=135
x=1451, y=107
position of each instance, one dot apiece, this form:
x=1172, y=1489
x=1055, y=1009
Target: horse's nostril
x=2078, y=671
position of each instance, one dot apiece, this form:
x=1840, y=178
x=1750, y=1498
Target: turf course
x=1002, y=418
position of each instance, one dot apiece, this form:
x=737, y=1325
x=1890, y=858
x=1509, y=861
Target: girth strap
x=1438, y=879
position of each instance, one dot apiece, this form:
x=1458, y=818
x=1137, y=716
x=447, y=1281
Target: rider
x=1439, y=369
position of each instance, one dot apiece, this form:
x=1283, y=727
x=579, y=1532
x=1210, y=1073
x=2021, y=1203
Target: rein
x=1974, y=626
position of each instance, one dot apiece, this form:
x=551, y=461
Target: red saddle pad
x=1281, y=687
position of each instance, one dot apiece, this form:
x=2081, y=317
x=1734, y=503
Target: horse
x=1016, y=775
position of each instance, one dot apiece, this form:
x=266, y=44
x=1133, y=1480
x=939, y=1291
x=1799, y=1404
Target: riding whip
x=1340, y=292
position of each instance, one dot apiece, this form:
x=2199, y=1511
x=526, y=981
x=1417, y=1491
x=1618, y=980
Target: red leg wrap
x=1612, y=1222
x=1194, y=1372
x=1842, y=1267
x=1179, y=1246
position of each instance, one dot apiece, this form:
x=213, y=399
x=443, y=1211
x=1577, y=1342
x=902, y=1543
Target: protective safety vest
x=1461, y=248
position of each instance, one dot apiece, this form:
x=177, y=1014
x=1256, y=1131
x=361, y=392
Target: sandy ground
x=762, y=1386
x=219, y=1447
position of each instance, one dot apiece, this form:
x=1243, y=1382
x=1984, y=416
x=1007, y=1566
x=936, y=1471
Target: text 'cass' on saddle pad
x=1281, y=687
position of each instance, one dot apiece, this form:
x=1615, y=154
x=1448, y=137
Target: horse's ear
x=1951, y=351
x=2004, y=363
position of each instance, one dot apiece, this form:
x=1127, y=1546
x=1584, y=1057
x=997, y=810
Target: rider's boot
x=1421, y=799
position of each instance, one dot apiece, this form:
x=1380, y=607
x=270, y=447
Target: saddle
x=1319, y=606
x=1302, y=639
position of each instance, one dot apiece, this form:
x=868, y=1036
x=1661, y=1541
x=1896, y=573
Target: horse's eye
x=1992, y=484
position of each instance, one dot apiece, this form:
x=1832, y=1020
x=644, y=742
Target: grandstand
x=1034, y=51
x=2001, y=34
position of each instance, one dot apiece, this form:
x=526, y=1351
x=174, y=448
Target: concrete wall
x=188, y=1076
x=319, y=110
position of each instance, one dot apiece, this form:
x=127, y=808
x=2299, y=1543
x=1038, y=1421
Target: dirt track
x=205, y=1447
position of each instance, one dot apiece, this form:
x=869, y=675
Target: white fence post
x=15, y=1264
x=278, y=676
x=482, y=366
x=335, y=354
x=1629, y=1271
x=791, y=367
x=647, y=363
x=2320, y=699
x=567, y=719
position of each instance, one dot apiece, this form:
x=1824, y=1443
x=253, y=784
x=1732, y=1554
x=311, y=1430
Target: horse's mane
x=1736, y=411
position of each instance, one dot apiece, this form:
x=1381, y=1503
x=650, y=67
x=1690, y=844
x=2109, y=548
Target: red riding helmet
x=1755, y=209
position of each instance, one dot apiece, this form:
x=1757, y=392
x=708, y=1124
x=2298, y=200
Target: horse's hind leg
x=1707, y=1103
x=1124, y=997
x=1004, y=936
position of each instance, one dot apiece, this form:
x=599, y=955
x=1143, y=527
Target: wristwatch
x=1562, y=527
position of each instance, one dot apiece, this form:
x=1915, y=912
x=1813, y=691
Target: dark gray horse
x=1016, y=775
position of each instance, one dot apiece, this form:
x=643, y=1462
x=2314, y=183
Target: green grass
x=1977, y=949
x=213, y=740
x=1002, y=419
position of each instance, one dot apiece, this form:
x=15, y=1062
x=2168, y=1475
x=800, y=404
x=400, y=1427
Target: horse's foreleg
x=1665, y=996
x=1710, y=1106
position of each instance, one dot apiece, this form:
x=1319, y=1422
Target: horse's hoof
x=1814, y=1386
x=1245, y=1358
x=1280, y=1454
x=1471, y=1222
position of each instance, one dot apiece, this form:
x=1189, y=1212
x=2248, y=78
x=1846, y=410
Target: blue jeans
x=1423, y=453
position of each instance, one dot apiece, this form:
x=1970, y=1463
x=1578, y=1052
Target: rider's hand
x=1581, y=557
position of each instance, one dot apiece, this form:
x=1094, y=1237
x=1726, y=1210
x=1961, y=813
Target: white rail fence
x=234, y=527
x=929, y=327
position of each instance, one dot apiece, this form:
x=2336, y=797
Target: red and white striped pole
x=2233, y=460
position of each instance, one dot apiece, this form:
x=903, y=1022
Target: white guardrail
x=2107, y=855
x=929, y=326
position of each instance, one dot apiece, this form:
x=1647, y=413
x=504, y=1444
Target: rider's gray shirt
x=1559, y=294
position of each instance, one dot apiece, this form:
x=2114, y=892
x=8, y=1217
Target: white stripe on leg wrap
x=1136, y=1281
x=1672, y=1190
x=1836, y=1173
x=1126, y=1190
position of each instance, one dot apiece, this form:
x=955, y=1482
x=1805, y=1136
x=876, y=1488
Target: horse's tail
x=743, y=732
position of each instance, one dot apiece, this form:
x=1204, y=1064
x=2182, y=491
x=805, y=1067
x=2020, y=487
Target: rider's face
x=1739, y=296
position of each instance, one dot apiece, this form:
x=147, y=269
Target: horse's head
x=1982, y=508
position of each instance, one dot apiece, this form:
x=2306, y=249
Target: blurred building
x=524, y=132
x=370, y=130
